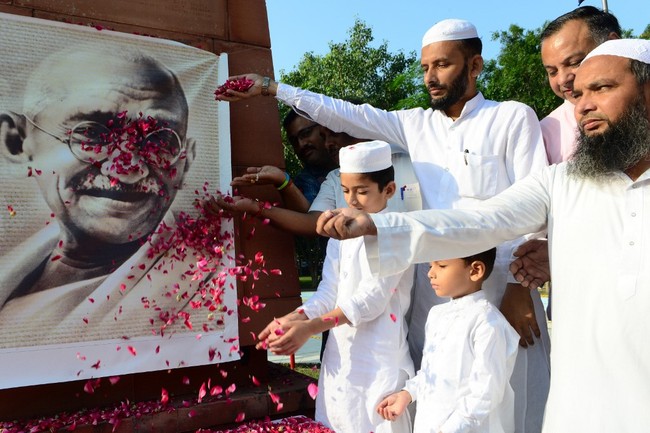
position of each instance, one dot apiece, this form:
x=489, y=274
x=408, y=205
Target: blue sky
x=299, y=26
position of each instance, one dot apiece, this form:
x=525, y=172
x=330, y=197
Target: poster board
x=168, y=299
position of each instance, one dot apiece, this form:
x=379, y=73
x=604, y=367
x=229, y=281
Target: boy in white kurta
x=366, y=356
x=469, y=354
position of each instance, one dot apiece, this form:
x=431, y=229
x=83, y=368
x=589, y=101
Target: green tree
x=354, y=70
x=517, y=73
x=646, y=33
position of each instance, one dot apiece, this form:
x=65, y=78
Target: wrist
x=266, y=82
x=286, y=183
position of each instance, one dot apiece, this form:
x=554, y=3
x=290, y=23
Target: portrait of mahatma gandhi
x=109, y=150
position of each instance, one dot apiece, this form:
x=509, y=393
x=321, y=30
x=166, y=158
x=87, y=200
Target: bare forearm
x=298, y=223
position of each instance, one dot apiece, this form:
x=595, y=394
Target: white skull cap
x=637, y=49
x=365, y=157
x=449, y=30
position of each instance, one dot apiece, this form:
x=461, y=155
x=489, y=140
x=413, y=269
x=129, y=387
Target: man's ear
x=476, y=66
x=190, y=153
x=12, y=137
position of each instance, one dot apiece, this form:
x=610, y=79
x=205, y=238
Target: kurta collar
x=471, y=105
x=468, y=299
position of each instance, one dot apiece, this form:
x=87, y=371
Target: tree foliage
x=355, y=70
x=517, y=73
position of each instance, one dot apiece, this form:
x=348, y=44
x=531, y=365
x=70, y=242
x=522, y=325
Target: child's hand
x=394, y=405
x=270, y=332
x=290, y=337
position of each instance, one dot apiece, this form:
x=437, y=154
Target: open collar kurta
x=599, y=244
x=463, y=384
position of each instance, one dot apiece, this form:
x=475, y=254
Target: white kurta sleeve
x=525, y=154
x=418, y=237
x=362, y=121
x=324, y=299
x=326, y=197
x=371, y=298
x=494, y=351
x=413, y=385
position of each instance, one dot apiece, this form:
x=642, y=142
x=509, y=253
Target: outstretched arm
x=231, y=95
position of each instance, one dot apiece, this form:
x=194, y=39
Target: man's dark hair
x=486, y=257
x=471, y=47
x=381, y=177
x=600, y=23
x=289, y=118
x=641, y=71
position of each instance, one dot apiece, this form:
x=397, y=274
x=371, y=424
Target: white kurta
x=469, y=354
x=368, y=359
x=599, y=241
x=458, y=163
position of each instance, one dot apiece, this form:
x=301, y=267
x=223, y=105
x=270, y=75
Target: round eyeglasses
x=92, y=142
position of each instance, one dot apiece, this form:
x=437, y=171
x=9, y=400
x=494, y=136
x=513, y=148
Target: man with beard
x=465, y=149
x=596, y=208
x=109, y=152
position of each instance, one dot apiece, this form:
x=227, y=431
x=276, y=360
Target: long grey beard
x=625, y=143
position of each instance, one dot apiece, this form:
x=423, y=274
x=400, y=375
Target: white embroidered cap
x=449, y=30
x=365, y=157
x=637, y=49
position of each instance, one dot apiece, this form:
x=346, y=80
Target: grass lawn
x=305, y=282
x=310, y=370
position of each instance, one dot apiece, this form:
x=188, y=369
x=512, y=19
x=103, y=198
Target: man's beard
x=455, y=91
x=623, y=145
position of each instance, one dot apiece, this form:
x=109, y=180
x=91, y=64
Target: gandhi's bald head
x=82, y=71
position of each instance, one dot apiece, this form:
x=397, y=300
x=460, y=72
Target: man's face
x=308, y=141
x=612, y=115
x=334, y=141
x=446, y=74
x=562, y=54
x=94, y=199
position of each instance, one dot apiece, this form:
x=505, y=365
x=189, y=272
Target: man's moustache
x=93, y=181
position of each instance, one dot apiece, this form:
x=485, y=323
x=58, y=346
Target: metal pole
x=605, y=5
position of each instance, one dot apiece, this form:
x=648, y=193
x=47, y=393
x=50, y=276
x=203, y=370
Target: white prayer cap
x=449, y=30
x=637, y=49
x=365, y=157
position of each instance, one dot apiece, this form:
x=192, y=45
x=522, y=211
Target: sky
x=300, y=26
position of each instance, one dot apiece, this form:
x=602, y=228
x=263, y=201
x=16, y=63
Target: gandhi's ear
x=190, y=153
x=12, y=136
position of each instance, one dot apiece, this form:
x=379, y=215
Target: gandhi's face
x=94, y=199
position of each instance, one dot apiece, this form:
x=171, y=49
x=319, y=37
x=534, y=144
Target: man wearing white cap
x=464, y=149
x=596, y=208
x=366, y=356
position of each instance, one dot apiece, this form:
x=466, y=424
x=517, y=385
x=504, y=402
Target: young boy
x=366, y=355
x=469, y=354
